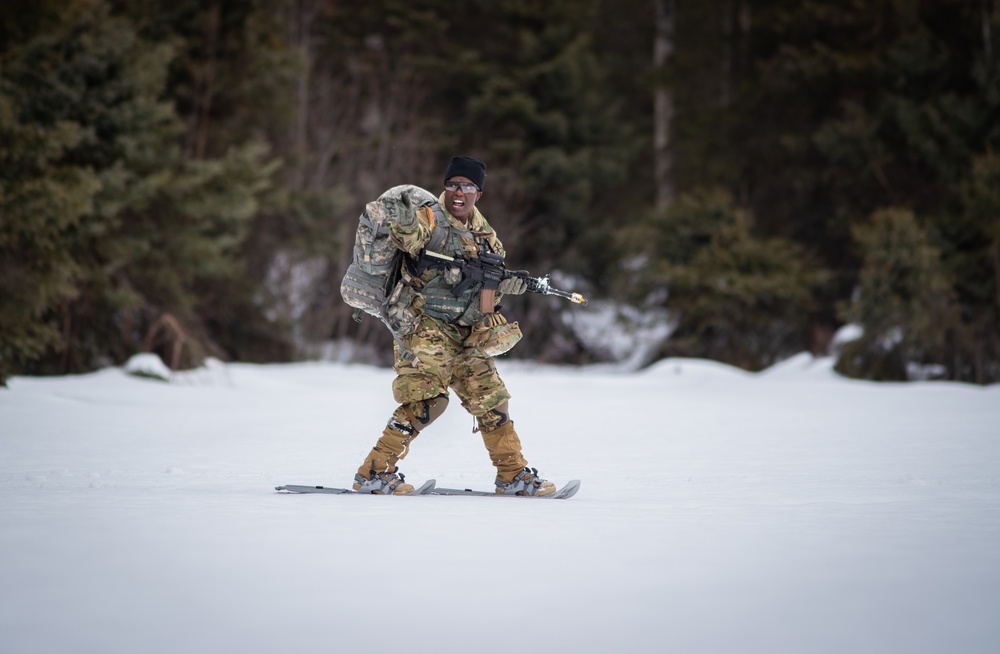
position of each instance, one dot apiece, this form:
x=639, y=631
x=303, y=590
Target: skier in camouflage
x=453, y=341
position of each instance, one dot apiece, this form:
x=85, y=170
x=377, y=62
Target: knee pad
x=415, y=416
x=494, y=418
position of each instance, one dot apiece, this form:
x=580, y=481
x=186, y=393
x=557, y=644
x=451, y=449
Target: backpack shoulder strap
x=414, y=266
x=440, y=227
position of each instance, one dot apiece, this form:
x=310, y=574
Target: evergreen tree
x=735, y=297
x=157, y=228
x=544, y=116
x=140, y=204
x=43, y=198
x=973, y=258
x=903, y=301
x=846, y=107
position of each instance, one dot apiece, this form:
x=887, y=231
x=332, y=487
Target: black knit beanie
x=467, y=167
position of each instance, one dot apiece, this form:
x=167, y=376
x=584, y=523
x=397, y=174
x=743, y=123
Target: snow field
x=721, y=511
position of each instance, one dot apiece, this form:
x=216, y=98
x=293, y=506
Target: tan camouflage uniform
x=443, y=361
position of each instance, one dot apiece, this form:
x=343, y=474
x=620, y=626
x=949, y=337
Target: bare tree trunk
x=735, y=22
x=208, y=80
x=67, y=336
x=203, y=71
x=996, y=269
x=360, y=127
x=663, y=105
x=741, y=65
x=728, y=11
x=305, y=12
x=987, y=32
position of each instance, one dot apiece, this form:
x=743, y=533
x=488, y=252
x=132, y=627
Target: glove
x=513, y=286
x=402, y=214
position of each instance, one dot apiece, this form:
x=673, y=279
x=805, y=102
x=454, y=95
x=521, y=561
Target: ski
x=429, y=488
x=293, y=488
x=564, y=493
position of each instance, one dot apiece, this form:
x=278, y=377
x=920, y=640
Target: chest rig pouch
x=464, y=292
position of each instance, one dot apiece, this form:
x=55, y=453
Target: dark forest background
x=185, y=176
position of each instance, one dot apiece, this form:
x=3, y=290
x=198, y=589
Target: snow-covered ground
x=787, y=511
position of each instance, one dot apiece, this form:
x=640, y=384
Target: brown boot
x=513, y=475
x=390, y=448
x=385, y=483
x=378, y=474
x=393, y=445
x=505, y=450
x=527, y=482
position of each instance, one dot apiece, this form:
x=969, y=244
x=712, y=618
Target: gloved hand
x=400, y=204
x=513, y=286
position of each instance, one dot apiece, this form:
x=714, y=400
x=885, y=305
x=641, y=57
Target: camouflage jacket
x=434, y=286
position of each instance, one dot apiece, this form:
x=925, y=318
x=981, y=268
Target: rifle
x=490, y=271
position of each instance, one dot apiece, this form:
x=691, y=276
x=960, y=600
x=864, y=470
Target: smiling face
x=460, y=203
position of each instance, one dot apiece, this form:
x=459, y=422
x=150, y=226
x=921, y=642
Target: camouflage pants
x=421, y=387
x=442, y=362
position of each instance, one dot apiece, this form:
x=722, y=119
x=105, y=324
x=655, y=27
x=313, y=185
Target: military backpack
x=373, y=283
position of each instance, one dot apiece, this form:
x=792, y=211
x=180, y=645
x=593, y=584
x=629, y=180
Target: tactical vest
x=437, y=287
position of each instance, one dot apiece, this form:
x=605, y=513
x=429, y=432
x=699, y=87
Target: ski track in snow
x=721, y=511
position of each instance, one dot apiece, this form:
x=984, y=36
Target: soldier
x=453, y=341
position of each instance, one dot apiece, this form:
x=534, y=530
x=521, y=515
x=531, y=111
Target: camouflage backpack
x=373, y=283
